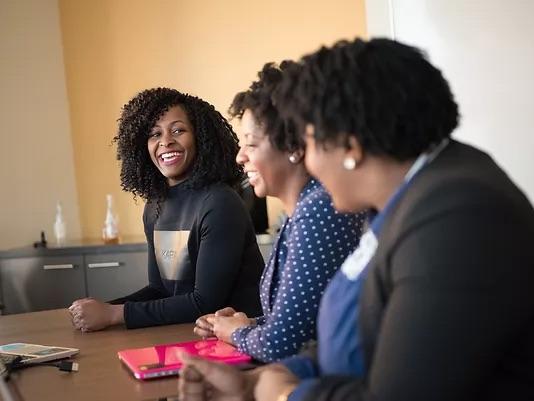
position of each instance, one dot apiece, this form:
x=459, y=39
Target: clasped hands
x=89, y=314
x=202, y=380
x=222, y=324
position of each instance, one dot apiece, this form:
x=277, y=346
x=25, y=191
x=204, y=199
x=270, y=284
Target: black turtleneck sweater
x=202, y=256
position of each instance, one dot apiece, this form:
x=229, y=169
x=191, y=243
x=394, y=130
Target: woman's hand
x=89, y=314
x=202, y=380
x=191, y=385
x=204, y=329
x=274, y=380
x=224, y=326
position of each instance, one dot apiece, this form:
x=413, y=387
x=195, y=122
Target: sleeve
x=454, y=309
x=304, y=367
x=223, y=227
x=154, y=289
x=318, y=242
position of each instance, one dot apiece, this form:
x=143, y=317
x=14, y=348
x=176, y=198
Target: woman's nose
x=166, y=139
x=241, y=157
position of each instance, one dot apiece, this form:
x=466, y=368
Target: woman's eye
x=251, y=145
x=154, y=134
x=177, y=131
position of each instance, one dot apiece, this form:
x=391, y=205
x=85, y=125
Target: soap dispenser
x=110, y=232
x=60, y=228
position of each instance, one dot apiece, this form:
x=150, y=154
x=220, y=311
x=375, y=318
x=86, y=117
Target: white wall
x=486, y=50
x=36, y=163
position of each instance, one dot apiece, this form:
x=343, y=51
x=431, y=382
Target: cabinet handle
x=104, y=264
x=57, y=267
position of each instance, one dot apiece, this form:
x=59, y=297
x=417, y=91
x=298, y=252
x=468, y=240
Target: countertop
x=97, y=246
x=75, y=247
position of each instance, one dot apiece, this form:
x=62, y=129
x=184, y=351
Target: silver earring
x=293, y=158
x=349, y=163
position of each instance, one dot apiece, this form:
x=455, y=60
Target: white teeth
x=251, y=174
x=169, y=155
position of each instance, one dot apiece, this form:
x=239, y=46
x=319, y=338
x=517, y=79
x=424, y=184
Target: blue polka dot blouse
x=310, y=248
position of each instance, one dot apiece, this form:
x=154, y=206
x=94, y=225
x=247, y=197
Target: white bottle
x=60, y=228
x=110, y=232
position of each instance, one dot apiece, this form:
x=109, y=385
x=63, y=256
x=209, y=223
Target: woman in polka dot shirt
x=313, y=241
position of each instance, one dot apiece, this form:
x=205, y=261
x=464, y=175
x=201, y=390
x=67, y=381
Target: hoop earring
x=349, y=163
x=293, y=159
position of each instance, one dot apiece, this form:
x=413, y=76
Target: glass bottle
x=60, y=228
x=110, y=232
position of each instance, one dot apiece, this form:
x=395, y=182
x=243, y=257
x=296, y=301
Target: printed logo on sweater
x=171, y=253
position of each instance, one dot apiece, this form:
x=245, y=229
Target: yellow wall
x=36, y=159
x=211, y=48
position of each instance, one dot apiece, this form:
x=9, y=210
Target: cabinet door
x=41, y=283
x=114, y=275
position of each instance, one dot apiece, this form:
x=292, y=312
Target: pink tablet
x=163, y=360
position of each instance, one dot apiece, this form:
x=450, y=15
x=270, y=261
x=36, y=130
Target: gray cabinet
x=41, y=279
x=33, y=284
x=50, y=278
x=114, y=275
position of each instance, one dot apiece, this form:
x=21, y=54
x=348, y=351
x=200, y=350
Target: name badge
x=356, y=262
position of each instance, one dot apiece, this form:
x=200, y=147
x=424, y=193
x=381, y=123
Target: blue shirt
x=339, y=345
x=311, y=246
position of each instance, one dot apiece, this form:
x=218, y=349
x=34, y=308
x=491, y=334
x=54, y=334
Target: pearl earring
x=293, y=158
x=349, y=163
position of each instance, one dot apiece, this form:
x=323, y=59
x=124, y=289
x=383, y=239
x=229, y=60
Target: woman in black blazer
x=445, y=305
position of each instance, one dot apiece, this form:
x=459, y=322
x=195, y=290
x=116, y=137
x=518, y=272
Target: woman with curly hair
x=178, y=153
x=299, y=267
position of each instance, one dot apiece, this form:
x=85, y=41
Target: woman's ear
x=354, y=154
x=309, y=130
x=296, y=156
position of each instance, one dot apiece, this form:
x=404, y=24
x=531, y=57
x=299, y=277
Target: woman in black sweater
x=178, y=153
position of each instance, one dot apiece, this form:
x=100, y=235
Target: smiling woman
x=311, y=245
x=171, y=145
x=178, y=153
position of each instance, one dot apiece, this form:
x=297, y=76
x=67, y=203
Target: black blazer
x=447, y=308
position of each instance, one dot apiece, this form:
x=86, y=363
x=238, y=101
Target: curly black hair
x=216, y=143
x=258, y=99
x=383, y=92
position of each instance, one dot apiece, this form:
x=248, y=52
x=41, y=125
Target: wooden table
x=101, y=376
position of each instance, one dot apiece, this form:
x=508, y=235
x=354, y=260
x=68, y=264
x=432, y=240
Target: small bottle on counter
x=110, y=232
x=60, y=228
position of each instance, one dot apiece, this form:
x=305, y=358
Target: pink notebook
x=163, y=360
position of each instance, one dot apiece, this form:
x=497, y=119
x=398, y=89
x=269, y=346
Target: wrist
x=117, y=314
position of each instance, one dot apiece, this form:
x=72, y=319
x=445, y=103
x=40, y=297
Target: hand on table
x=224, y=326
x=205, y=329
x=89, y=314
x=202, y=380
